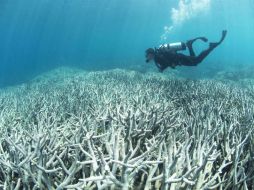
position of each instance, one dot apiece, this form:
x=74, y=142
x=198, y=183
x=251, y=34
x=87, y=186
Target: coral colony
x=126, y=130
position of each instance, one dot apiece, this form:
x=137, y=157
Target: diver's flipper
x=215, y=44
x=204, y=39
x=224, y=33
x=189, y=43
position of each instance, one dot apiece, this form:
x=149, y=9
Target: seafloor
x=119, y=129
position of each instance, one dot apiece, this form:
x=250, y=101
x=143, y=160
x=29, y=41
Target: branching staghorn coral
x=124, y=130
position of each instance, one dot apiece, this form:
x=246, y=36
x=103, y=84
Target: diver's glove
x=160, y=70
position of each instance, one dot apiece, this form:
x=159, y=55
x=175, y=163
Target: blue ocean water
x=37, y=36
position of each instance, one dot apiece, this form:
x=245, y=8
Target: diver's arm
x=162, y=60
x=173, y=66
x=171, y=59
x=159, y=67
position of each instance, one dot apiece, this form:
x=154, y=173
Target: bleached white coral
x=125, y=130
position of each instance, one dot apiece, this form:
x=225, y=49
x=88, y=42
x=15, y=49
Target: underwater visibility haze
x=37, y=36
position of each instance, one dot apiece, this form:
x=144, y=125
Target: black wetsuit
x=164, y=58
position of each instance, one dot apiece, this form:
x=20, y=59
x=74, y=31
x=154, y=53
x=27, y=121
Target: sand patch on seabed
x=118, y=129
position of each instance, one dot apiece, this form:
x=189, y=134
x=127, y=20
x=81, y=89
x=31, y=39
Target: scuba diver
x=167, y=55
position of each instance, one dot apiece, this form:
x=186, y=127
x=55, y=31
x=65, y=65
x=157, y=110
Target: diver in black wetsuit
x=166, y=57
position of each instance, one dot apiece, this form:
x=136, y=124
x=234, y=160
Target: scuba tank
x=177, y=46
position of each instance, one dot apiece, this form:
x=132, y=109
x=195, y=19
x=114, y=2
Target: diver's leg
x=193, y=60
x=190, y=42
x=190, y=48
x=186, y=60
x=203, y=55
x=215, y=44
x=212, y=46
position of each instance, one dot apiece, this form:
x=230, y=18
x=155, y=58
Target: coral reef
x=125, y=130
